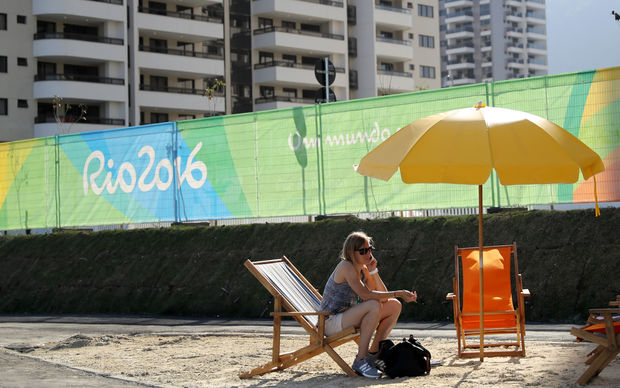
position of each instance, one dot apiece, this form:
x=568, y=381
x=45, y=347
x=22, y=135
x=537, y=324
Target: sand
x=217, y=360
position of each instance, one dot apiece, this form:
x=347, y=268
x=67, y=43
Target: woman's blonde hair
x=353, y=242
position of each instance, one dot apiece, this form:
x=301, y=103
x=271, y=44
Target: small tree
x=65, y=116
x=210, y=92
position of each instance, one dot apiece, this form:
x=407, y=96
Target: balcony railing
x=393, y=41
x=460, y=29
x=87, y=120
x=299, y=32
x=290, y=64
x=264, y=100
x=324, y=2
x=117, y=2
x=394, y=73
x=392, y=9
x=185, y=53
x=536, y=30
x=74, y=36
x=457, y=61
x=352, y=46
x=353, y=79
x=181, y=15
x=537, y=61
x=179, y=90
x=79, y=78
x=461, y=45
x=466, y=12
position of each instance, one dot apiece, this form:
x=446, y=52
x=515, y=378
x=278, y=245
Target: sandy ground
x=216, y=360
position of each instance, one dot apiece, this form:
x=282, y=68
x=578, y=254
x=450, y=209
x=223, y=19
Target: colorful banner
x=289, y=162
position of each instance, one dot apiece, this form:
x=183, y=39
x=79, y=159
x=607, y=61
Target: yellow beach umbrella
x=463, y=146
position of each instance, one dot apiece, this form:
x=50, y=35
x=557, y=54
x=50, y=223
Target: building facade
x=69, y=66
x=484, y=40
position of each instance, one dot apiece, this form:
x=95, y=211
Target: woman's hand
x=373, y=263
x=407, y=296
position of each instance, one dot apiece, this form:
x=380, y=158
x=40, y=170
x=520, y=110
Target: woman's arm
x=356, y=284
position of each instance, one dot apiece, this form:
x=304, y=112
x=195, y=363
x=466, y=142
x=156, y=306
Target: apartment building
x=70, y=66
x=484, y=40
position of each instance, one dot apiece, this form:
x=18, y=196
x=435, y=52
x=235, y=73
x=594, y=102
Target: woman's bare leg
x=390, y=311
x=365, y=316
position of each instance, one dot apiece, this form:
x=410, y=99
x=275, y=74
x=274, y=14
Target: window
x=308, y=94
x=310, y=27
x=289, y=58
x=311, y=61
x=21, y=19
x=22, y=62
x=3, y=64
x=265, y=57
x=289, y=25
x=425, y=10
x=290, y=92
x=157, y=8
x=2, y=21
x=159, y=117
x=410, y=35
x=266, y=91
x=427, y=41
x=386, y=34
x=427, y=71
x=265, y=22
x=409, y=5
x=22, y=103
x=44, y=27
x=411, y=67
x=45, y=68
x=3, y=107
x=158, y=45
x=159, y=83
x=387, y=66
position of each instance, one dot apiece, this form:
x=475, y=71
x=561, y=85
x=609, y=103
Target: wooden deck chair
x=500, y=316
x=301, y=300
x=602, y=328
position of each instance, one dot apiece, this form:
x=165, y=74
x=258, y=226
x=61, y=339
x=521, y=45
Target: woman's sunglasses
x=364, y=251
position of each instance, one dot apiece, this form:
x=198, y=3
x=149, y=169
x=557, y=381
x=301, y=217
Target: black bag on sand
x=407, y=358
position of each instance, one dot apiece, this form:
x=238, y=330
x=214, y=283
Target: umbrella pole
x=480, y=262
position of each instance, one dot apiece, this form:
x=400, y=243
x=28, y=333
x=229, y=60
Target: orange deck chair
x=500, y=316
x=602, y=328
x=292, y=291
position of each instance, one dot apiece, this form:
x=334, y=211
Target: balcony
x=516, y=63
x=94, y=11
x=390, y=82
x=82, y=37
x=460, y=32
x=460, y=64
x=463, y=48
x=298, y=41
x=41, y=119
x=460, y=16
x=79, y=46
x=279, y=102
x=392, y=19
x=193, y=27
x=179, y=99
x=79, y=87
x=535, y=17
x=537, y=63
x=302, y=10
x=285, y=73
x=537, y=32
x=536, y=4
x=179, y=60
x=393, y=49
x=458, y=3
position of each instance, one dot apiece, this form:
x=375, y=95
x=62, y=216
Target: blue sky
x=582, y=35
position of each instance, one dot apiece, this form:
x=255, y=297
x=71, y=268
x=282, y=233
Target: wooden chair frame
x=519, y=312
x=608, y=340
x=318, y=342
